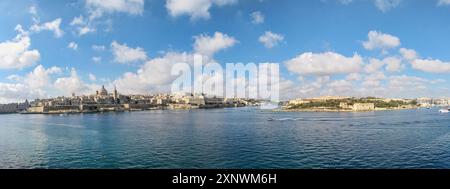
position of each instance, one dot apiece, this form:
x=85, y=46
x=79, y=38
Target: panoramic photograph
x=224, y=84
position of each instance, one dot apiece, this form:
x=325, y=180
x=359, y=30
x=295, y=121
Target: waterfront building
x=14, y=107
x=363, y=107
x=424, y=102
x=325, y=98
x=299, y=101
x=104, y=101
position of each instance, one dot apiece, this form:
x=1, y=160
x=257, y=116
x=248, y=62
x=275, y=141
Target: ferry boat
x=445, y=110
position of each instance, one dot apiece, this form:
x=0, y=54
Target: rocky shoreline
x=341, y=110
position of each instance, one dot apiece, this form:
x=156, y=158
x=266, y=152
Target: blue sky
x=324, y=47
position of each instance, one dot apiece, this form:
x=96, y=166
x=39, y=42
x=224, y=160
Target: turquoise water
x=227, y=138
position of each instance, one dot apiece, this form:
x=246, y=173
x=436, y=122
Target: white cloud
x=327, y=63
x=78, y=20
x=257, y=17
x=92, y=77
x=403, y=82
x=83, y=26
x=270, y=39
x=443, y=2
x=378, y=40
x=376, y=84
x=124, y=54
x=373, y=80
x=373, y=66
x=73, y=84
x=209, y=45
x=32, y=85
x=85, y=30
x=353, y=77
x=426, y=65
x=72, y=45
x=196, y=9
x=39, y=77
x=98, y=47
x=392, y=64
x=386, y=5
x=15, y=53
x=53, y=26
x=16, y=92
x=153, y=75
x=14, y=77
x=98, y=7
x=32, y=10
x=408, y=54
x=224, y=2
x=431, y=65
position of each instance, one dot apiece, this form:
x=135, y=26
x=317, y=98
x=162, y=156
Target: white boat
x=444, y=111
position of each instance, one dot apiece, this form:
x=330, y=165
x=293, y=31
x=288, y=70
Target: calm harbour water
x=227, y=138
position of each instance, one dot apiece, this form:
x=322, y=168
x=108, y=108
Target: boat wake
x=284, y=119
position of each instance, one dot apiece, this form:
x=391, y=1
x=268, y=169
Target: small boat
x=444, y=111
x=270, y=119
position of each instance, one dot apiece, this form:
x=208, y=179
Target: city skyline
x=348, y=48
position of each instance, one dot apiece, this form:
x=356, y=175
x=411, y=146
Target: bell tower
x=115, y=94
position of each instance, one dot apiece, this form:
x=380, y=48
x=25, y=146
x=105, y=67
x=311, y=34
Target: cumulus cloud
x=40, y=77
x=270, y=39
x=408, y=54
x=196, y=9
x=53, y=26
x=32, y=85
x=16, y=53
x=391, y=64
x=376, y=84
x=73, y=84
x=82, y=25
x=209, y=45
x=72, y=45
x=124, y=54
x=98, y=7
x=378, y=40
x=353, y=77
x=426, y=65
x=327, y=63
x=257, y=17
x=373, y=66
x=16, y=92
x=154, y=75
x=431, y=65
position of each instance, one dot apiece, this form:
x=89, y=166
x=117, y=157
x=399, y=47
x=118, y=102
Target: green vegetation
x=335, y=104
x=331, y=104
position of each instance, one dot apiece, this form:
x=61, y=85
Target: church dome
x=103, y=92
